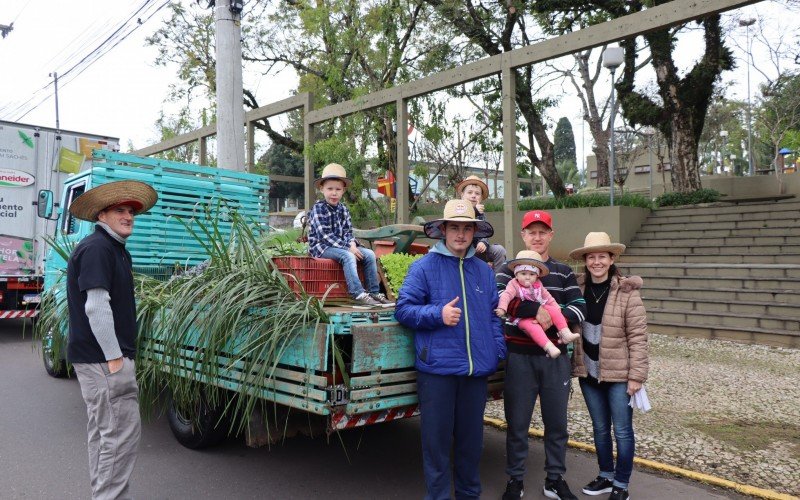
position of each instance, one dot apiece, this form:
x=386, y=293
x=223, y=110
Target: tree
x=280, y=160
x=564, y=142
x=682, y=96
x=492, y=30
x=779, y=111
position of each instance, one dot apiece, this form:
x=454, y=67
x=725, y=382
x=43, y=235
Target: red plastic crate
x=315, y=275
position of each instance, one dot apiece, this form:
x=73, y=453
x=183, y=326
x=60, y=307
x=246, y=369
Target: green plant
x=574, y=201
x=693, y=198
x=395, y=265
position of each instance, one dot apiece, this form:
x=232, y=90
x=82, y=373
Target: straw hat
x=333, y=171
x=473, y=179
x=137, y=194
x=529, y=258
x=458, y=211
x=597, y=242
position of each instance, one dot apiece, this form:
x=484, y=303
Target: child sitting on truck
x=528, y=267
x=474, y=190
x=330, y=236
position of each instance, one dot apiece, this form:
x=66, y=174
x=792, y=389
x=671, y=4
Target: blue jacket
x=472, y=347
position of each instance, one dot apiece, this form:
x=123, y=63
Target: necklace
x=596, y=298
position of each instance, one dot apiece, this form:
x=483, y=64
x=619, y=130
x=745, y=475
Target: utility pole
x=230, y=96
x=55, y=83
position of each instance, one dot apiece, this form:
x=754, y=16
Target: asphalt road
x=43, y=453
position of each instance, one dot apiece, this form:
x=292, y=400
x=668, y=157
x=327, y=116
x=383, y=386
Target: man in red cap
x=531, y=373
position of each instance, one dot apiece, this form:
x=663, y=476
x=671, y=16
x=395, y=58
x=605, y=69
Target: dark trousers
x=529, y=376
x=451, y=409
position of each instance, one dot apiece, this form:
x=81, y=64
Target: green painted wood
x=381, y=346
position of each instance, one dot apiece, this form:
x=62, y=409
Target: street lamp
x=649, y=132
x=746, y=23
x=612, y=59
x=724, y=135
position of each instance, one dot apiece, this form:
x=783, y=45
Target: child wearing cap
x=330, y=236
x=474, y=190
x=527, y=268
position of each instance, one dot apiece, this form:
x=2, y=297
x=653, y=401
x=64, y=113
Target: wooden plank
x=380, y=392
x=381, y=346
x=383, y=378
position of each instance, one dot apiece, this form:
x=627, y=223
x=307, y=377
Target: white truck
x=33, y=158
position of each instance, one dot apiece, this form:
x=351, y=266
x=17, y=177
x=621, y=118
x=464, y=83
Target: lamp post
x=649, y=132
x=612, y=59
x=746, y=23
x=724, y=135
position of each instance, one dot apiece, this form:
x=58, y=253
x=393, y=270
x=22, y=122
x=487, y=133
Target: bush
x=575, y=201
x=693, y=198
x=395, y=265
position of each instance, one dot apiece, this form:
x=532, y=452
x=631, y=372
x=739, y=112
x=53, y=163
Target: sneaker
x=514, y=490
x=558, y=489
x=618, y=494
x=366, y=301
x=599, y=486
x=382, y=299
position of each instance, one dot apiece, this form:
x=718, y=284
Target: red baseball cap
x=537, y=216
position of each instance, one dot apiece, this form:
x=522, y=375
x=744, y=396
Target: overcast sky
x=121, y=94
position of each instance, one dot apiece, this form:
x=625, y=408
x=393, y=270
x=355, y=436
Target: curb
x=671, y=469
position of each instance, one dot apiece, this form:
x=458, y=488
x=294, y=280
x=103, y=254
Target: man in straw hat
x=330, y=236
x=530, y=373
x=474, y=190
x=448, y=298
x=102, y=330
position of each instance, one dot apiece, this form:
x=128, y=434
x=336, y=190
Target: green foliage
x=574, y=201
x=395, y=265
x=280, y=160
x=564, y=144
x=693, y=198
x=569, y=173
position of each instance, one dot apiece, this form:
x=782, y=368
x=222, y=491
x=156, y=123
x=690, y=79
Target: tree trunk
x=683, y=155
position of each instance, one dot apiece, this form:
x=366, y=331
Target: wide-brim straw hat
x=597, y=242
x=333, y=171
x=529, y=258
x=473, y=179
x=139, y=195
x=458, y=211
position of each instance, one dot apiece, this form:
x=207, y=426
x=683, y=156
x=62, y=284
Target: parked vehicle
x=31, y=159
x=339, y=367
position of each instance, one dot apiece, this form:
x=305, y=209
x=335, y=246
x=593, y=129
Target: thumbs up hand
x=451, y=314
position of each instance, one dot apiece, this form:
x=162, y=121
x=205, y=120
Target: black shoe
x=558, y=489
x=618, y=494
x=514, y=490
x=599, y=486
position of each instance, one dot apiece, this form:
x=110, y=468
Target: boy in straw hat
x=474, y=190
x=448, y=299
x=527, y=269
x=102, y=330
x=330, y=236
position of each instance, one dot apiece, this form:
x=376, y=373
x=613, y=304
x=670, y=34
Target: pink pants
x=534, y=330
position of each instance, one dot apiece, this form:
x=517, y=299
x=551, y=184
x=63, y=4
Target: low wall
x=756, y=186
x=572, y=224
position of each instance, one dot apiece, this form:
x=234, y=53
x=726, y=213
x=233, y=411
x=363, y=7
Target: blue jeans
x=451, y=413
x=608, y=405
x=349, y=263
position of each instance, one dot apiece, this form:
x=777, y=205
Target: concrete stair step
x=715, y=241
x=653, y=226
x=729, y=320
x=751, y=284
x=763, y=336
x=712, y=250
x=786, y=272
x=655, y=290
x=738, y=258
x=707, y=305
x=729, y=208
x=712, y=232
x=660, y=216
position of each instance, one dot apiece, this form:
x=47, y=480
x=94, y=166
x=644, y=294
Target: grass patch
x=751, y=435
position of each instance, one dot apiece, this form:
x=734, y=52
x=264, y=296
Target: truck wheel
x=56, y=368
x=199, y=427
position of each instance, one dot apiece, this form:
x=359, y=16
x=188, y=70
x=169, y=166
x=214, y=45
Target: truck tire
x=56, y=368
x=199, y=430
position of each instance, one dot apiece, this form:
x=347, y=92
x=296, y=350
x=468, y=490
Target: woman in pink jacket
x=611, y=359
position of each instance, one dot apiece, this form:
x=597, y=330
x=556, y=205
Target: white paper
x=640, y=400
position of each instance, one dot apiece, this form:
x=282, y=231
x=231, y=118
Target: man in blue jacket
x=448, y=299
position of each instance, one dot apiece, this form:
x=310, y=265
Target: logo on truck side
x=15, y=178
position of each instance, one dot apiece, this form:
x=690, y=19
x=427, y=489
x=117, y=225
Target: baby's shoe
x=552, y=350
x=567, y=336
